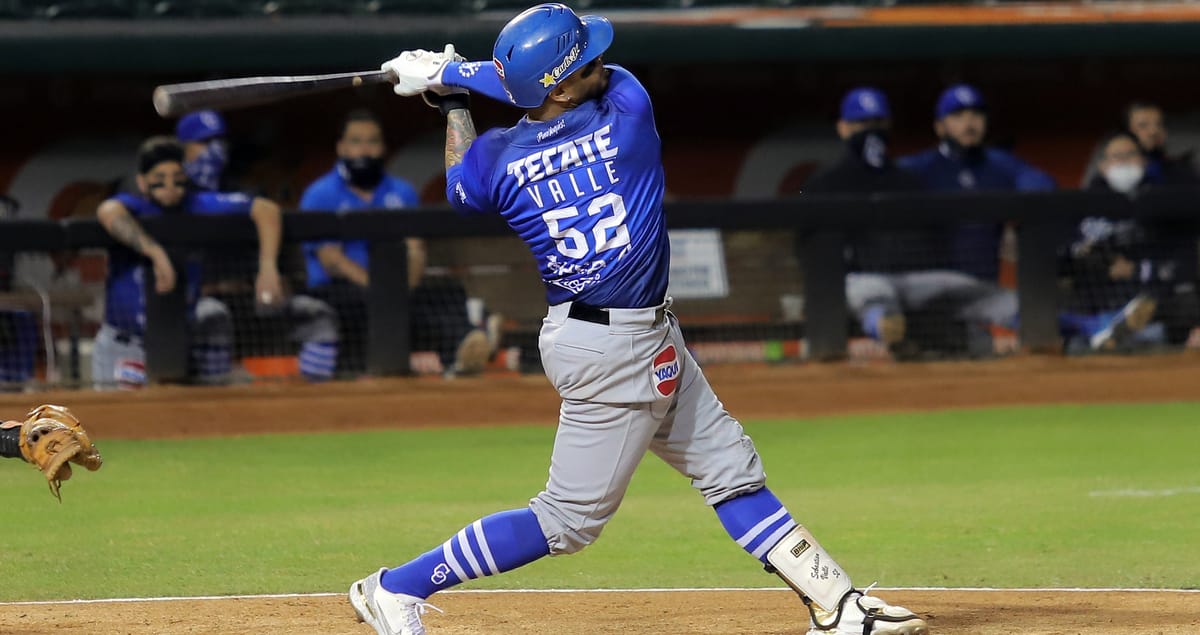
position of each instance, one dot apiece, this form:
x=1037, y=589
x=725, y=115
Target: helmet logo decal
x=551, y=78
x=468, y=69
x=499, y=67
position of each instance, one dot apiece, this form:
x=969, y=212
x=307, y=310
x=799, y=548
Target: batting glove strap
x=446, y=103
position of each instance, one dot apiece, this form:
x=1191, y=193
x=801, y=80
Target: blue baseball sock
x=757, y=521
x=495, y=544
x=318, y=360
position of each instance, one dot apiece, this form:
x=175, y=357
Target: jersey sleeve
x=222, y=203
x=626, y=93
x=467, y=183
x=1025, y=177
x=315, y=199
x=478, y=77
x=914, y=163
x=131, y=203
x=1031, y=179
x=407, y=193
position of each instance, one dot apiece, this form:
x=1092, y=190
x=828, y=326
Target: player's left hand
x=419, y=70
x=50, y=437
x=268, y=290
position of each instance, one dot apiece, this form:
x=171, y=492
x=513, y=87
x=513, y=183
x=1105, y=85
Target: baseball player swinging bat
x=173, y=100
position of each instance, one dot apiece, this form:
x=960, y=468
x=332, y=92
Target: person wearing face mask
x=1118, y=274
x=1145, y=122
x=205, y=148
x=884, y=290
x=338, y=271
x=865, y=165
x=118, y=358
x=962, y=162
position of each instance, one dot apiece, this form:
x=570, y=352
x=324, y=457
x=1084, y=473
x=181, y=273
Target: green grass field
x=1006, y=497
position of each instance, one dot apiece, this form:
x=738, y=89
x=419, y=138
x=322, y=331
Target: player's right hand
x=164, y=272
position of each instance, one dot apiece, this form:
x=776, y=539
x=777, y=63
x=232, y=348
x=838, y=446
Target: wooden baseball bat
x=173, y=100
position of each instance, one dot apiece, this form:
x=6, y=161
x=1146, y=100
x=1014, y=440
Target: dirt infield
x=750, y=392
x=677, y=613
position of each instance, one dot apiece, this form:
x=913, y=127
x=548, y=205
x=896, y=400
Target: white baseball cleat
x=868, y=615
x=388, y=613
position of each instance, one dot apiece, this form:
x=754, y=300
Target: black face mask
x=958, y=152
x=362, y=172
x=870, y=146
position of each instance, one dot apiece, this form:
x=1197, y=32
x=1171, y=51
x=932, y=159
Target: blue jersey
x=129, y=271
x=584, y=191
x=332, y=193
x=975, y=247
x=996, y=170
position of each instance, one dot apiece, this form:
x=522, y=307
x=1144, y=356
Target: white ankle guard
x=804, y=564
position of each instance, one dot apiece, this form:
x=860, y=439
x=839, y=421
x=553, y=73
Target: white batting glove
x=411, y=70
x=419, y=70
x=435, y=79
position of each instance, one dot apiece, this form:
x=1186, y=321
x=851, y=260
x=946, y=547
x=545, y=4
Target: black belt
x=588, y=313
x=125, y=337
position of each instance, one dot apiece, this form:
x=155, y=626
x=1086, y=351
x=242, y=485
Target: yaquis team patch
x=666, y=371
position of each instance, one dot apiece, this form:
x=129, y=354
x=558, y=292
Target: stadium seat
x=87, y=9
x=202, y=8
x=14, y=9
x=418, y=6
x=307, y=7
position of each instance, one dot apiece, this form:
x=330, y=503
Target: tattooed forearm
x=127, y=230
x=460, y=133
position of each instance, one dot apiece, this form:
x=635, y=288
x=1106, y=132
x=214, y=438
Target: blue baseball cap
x=200, y=126
x=959, y=97
x=544, y=44
x=865, y=103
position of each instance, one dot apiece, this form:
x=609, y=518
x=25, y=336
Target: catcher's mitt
x=50, y=437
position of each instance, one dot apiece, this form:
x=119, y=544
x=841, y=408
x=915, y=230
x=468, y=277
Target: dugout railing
x=821, y=223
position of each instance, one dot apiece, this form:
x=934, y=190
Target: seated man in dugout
x=338, y=272
x=896, y=274
x=118, y=357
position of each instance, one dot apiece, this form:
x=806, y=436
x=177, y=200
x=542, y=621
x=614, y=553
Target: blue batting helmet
x=544, y=44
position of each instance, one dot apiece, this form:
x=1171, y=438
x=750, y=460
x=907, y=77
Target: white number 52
x=573, y=243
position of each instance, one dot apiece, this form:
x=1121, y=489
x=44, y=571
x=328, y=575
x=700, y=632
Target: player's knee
x=745, y=476
x=568, y=530
x=315, y=320
x=569, y=541
x=214, y=321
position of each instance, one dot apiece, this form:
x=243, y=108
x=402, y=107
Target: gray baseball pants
x=628, y=387
x=975, y=301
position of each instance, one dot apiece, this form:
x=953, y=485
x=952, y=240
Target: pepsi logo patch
x=666, y=371
x=131, y=373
